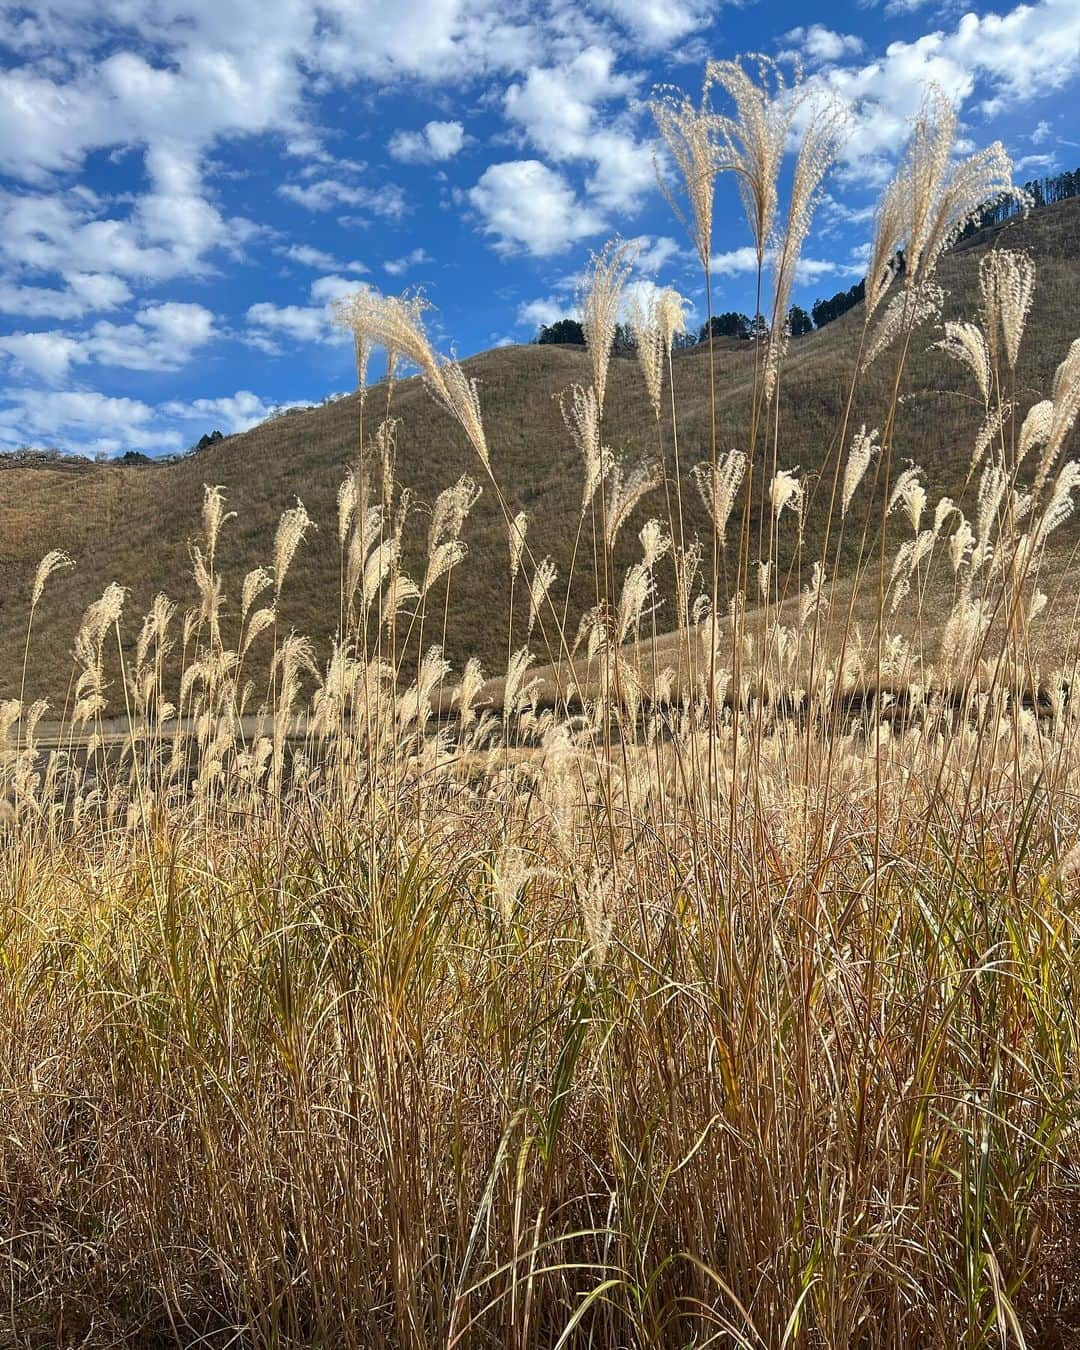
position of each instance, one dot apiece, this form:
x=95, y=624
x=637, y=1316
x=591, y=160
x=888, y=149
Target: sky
x=187, y=185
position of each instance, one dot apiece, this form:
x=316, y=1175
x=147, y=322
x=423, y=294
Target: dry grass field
x=612, y=884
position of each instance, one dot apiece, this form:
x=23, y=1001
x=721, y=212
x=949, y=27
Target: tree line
x=1039, y=192
x=729, y=325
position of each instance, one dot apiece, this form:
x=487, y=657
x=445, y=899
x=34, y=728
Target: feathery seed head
x=600, y=298
x=292, y=527
x=53, y=561
x=687, y=131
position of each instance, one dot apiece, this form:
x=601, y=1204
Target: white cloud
x=734, y=262
x=46, y=355
x=162, y=337
x=85, y=291
x=534, y=314
x=327, y=193
x=437, y=142
x=81, y=420
x=1011, y=58
x=659, y=23
x=399, y=266
x=269, y=323
x=655, y=252
x=819, y=44
x=93, y=423
x=1035, y=164
x=1041, y=132
x=556, y=109
x=330, y=288
x=231, y=413
x=526, y=205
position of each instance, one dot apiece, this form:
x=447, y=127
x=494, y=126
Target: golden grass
x=673, y=998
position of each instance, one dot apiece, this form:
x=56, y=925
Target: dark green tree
x=726, y=325
x=799, y=322
x=562, y=331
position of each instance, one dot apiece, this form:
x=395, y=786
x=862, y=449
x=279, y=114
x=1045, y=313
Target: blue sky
x=185, y=185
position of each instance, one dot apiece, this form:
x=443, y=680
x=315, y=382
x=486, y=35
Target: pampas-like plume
x=719, y=485
x=516, y=690
x=961, y=542
x=445, y=548
x=292, y=527
x=638, y=589
x=1036, y=428
x=654, y=320
x=991, y=490
x=820, y=143
x=518, y=528
x=509, y=877
x=909, y=493
x=260, y=621
x=542, y=581
x=598, y=906
x=862, y=449
x=53, y=561
x=464, y=696
x=1007, y=281
x=600, y=298
x=903, y=313
x=888, y=236
x=214, y=516
x=624, y=493
x=581, y=413
x=1061, y=504
x=687, y=565
x=785, y=491
x=346, y=506
x=358, y=313
x=655, y=542
x=687, y=132
x=966, y=343
x=753, y=140
x=1065, y=397
x=460, y=396
x=942, y=195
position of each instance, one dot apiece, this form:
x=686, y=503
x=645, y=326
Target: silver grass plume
x=752, y=141
x=862, y=449
x=518, y=529
x=1007, y=282
x=54, y=561
x=292, y=527
x=1065, y=396
x=655, y=542
x=600, y=298
x=786, y=493
x=581, y=413
x=966, y=343
x=654, y=321
x=542, y=581
x=347, y=499
x=357, y=313
x=625, y=490
x=821, y=141
x=719, y=485
x=687, y=131
x=214, y=516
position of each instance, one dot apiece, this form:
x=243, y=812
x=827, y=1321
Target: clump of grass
x=711, y=986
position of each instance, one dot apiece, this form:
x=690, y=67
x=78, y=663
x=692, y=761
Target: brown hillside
x=132, y=524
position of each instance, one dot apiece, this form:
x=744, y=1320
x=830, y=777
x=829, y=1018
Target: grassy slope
x=132, y=524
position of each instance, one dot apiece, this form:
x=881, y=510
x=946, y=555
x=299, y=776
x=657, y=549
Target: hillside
x=132, y=524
